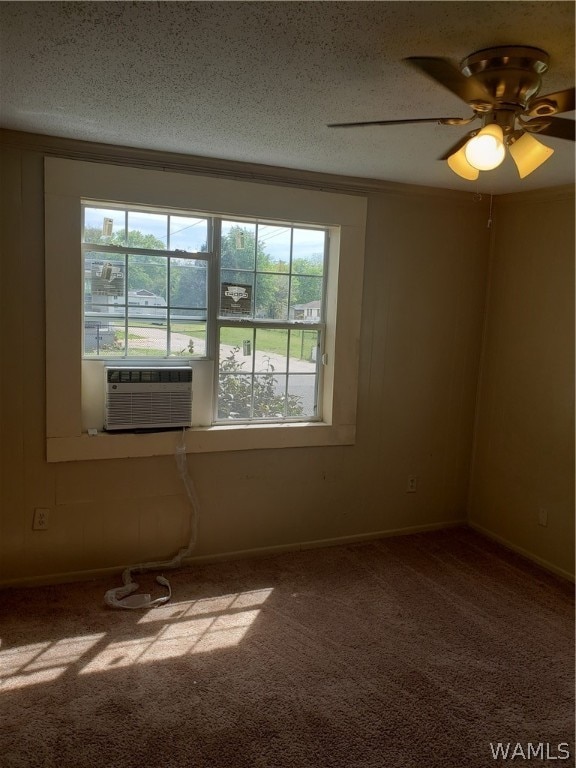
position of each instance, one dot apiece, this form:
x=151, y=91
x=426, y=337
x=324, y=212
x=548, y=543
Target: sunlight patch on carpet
x=198, y=626
x=42, y=662
x=209, y=605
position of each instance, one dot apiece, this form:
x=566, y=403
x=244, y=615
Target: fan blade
x=458, y=145
x=561, y=101
x=558, y=127
x=439, y=120
x=469, y=89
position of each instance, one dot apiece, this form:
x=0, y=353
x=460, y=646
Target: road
x=155, y=338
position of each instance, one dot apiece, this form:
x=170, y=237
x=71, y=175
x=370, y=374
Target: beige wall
x=422, y=318
x=524, y=455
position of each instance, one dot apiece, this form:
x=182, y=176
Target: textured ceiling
x=259, y=81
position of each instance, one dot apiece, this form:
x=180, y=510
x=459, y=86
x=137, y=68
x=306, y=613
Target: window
x=146, y=300
x=145, y=296
x=257, y=287
x=269, y=361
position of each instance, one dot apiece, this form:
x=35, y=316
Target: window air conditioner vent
x=148, y=398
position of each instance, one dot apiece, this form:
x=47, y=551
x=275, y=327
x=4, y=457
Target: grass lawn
x=271, y=340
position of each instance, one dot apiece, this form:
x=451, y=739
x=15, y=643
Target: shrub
x=241, y=396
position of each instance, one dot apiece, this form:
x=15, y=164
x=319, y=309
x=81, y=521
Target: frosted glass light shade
x=461, y=166
x=486, y=150
x=528, y=153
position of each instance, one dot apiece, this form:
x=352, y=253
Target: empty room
x=287, y=384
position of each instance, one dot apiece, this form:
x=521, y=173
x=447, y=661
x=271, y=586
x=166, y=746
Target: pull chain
x=489, y=223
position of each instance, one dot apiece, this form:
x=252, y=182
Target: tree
x=307, y=280
x=238, y=249
x=243, y=261
x=136, y=239
x=145, y=271
x=241, y=252
x=188, y=280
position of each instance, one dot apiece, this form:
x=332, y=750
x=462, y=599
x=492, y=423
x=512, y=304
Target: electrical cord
x=124, y=597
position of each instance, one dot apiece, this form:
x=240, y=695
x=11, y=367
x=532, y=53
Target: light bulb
x=486, y=150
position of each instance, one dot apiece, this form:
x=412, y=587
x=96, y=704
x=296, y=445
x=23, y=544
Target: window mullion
x=253, y=373
x=168, y=305
x=125, y=305
x=289, y=340
x=213, y=332
x=290, y=269
x=213, y=324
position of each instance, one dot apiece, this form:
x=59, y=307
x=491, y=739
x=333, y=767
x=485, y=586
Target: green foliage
x=240, y=254
x=144, y=271
x=238, y=391
x=238, y=249
x=188, y=284
x=136, y=239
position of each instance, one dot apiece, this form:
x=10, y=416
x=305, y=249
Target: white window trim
x=69, y=397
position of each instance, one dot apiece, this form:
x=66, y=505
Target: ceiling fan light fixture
x=501, y=85
x=461, y=166
x=486, y=150
x=528, y=153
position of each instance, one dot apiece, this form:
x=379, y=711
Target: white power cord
x=123, y=597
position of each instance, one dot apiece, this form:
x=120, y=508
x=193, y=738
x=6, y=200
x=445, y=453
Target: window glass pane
x=146, y=337
x=188, y=283
x=187, y=335
x=271, y=350
x=303, y=350
x=103, y=335
x=188, y=234
x=104, y=225
x=273, y=249
x=236, y=349
x=272, y=296
x=156, y=306
x=308, y=251
x=306, y=299
x=238, y=245
x=236, y=293
x=301, y=395
x=104, y=275
x=147, y=230
x=235, y=396
x=269, y=396
x=147, y=282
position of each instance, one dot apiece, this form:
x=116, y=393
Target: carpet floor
x=423, y=651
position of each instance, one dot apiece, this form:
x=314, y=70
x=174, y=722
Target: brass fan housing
x=511, y=73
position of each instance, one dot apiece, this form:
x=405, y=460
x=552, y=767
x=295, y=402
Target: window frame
x=71, y=397
x=126, y=250
x=214, y=319
x=255, y=323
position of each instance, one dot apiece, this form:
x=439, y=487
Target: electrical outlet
x=40, y=522
x=543, y=517
x=412, y=484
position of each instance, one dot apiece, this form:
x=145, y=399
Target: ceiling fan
x=501, y=87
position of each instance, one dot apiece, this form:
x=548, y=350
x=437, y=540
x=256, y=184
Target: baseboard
x=101, y=573
x=524, y=552
x=319, y=543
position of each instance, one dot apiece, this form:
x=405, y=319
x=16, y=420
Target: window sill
x=243, y=437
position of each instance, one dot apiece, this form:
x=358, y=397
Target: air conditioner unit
x=148, y=398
